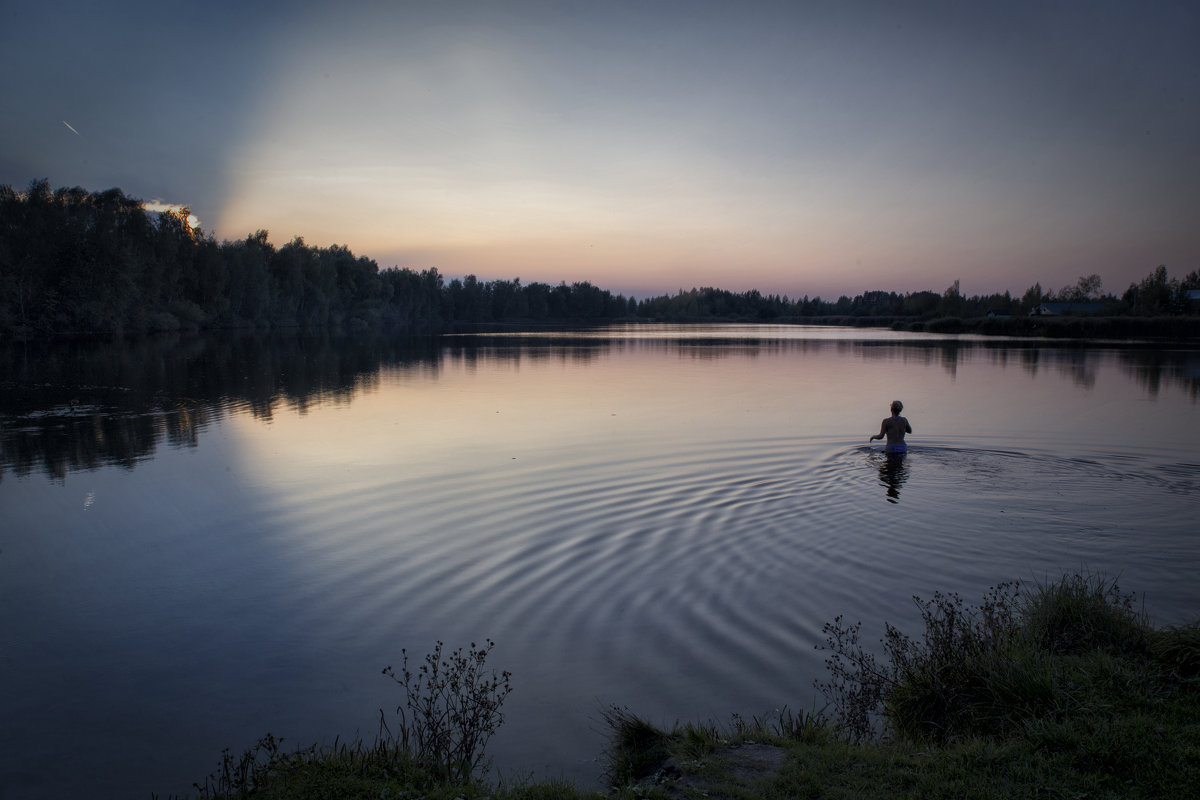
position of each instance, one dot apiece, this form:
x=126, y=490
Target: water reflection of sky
x=503, y=401
x=768, y=332
x=81, y=410
x=241, y=534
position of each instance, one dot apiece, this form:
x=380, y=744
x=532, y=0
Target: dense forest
x=79, y=262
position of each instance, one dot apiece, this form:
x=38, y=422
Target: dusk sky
x=800, y=148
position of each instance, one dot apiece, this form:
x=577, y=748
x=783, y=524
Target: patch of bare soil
x=744, y=765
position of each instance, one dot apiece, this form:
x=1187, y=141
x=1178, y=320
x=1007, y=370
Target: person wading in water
x=893, y=429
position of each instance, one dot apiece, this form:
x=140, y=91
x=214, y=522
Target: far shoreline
x=1107, y=330
x=1152, y=330
x=1062, y=330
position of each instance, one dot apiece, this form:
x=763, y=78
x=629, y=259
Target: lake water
x=203, y=540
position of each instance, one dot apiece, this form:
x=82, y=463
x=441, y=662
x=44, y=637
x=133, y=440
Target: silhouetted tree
x=953, y=303
x=79, y=261
x=1154, y=295
x=1032, y=298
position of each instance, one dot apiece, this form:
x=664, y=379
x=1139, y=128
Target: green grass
x=1057, y=690
x=361, y=771
x=1127, y=734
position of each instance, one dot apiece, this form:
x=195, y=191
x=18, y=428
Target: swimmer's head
x=897, y=406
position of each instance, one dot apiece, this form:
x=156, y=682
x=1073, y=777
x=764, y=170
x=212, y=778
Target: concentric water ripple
x=703, y=574
x=661, y=547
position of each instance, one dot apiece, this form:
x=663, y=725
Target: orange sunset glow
x=795, y=148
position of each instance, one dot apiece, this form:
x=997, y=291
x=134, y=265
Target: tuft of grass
x=360, y=771
x=1177, y=650
x=811, y=727
x=696, y=740
x=1083, y=611
x=636, y=748
x=353, y=769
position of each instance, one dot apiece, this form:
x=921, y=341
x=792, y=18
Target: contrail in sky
x=72, y=130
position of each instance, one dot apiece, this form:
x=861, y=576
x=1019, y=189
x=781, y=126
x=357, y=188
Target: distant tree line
x=1155, y=295
x=98, y=262
x=73, y=261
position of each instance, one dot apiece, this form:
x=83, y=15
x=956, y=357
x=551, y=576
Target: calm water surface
x=205, y=540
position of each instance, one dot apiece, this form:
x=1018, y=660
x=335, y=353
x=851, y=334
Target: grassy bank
x=1178, y=328
x=1050, y=690
x=1175, y=328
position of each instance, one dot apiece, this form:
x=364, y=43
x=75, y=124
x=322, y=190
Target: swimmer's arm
x=882, y=430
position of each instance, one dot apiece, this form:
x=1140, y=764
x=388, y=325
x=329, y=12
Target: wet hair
x=897, y=406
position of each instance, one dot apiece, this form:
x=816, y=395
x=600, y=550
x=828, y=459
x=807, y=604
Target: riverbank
x=1064, y=329
x=1082, y=328
x=1056, y=690
x=1156, y=329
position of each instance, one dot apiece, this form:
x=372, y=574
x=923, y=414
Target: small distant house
x=1193, y=300
x=1058, y=309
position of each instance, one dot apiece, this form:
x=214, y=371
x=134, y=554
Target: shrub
x=451, y=709
x=989, y=669
x=946, y=325
x=928, y=688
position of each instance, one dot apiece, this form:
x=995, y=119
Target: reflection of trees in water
x=1156, y=370
x=946, y=353
x=1078, y=363
x=74, y=406
x=512, y=349
x=1153, y=368
x=1000, y=357
x=78, y=441
x=80, y=406
x=1031, y=360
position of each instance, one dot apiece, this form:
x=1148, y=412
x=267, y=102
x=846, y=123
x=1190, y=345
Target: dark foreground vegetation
x=1060, y=689
x=77, y=262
